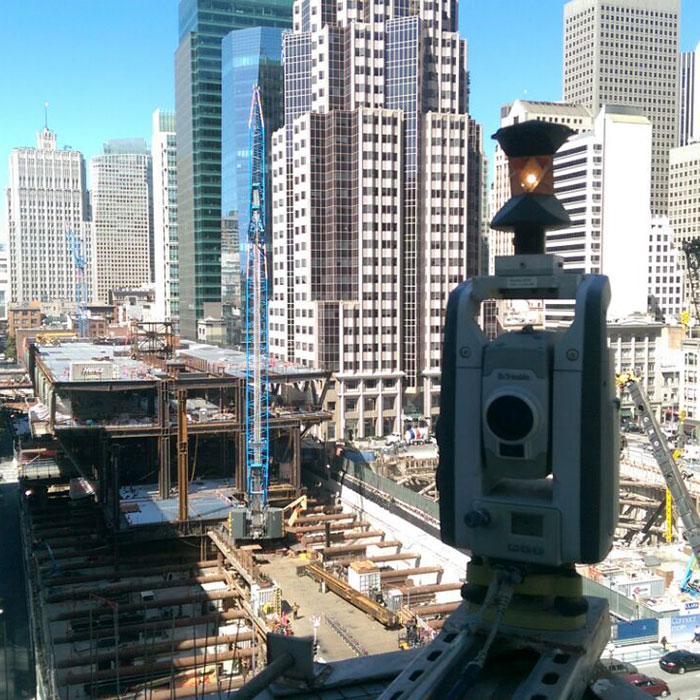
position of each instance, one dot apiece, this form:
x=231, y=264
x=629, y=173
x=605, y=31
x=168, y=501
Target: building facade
x=575, y=116
x=689, y=107
x=684, y=200
x=690, y=382
x=370, y=191
x=46, y=198
x=165, y=254
x=602, y=178
x=122, y=216
x=248, y=57
x=4, y=282
x=625, y=52
x=666, y=277
x=202, y=25
x=652, y=351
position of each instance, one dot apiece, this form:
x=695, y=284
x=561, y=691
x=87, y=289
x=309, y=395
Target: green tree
x=11, y=348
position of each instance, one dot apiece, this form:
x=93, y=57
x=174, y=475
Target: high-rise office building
x=46, y=198
x=248, y=57
x=689, y=106
x=684, y=198
x=575, y=116
x=370, y=191
x=122, y=216
x=202, y=26
x=625, y=52
x=232, y=279
x=4, y=282
x=165, y=273
x=602, y=178
x=666, y=276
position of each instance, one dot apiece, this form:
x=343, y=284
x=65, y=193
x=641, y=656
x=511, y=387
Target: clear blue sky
x=105, y=65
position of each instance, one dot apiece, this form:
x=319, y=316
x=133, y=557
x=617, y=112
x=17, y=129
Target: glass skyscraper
x=202, y=26
x=248, y=57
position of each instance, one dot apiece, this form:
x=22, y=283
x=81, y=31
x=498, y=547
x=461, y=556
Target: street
x=685, y=687
x=16, y=664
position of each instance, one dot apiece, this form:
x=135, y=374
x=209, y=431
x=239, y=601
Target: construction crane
x=669, y=469
x=257, y=424
x=691, y=250
x=75, y=247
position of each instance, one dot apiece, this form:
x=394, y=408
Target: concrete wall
x=433, y=552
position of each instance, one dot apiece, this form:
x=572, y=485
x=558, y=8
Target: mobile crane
x=669, y=469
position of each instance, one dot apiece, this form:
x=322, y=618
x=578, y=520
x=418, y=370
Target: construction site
x=176, y=507
x=130, y=472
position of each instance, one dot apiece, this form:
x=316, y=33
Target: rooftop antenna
x=46, y=116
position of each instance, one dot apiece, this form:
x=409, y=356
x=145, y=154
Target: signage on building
x=683, y=627
x=91, y=371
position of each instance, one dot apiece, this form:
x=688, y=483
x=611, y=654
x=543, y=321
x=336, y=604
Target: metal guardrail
x=391, y=488
x=649, y=653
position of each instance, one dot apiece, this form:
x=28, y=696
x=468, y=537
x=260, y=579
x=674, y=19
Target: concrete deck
x=312, y=603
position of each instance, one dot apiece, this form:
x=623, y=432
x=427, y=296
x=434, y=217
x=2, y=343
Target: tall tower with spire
x=46, y=198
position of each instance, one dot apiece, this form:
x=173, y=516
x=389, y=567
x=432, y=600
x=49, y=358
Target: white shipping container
x=640, y=588
x=364, y=577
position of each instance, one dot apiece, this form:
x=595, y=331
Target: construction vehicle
x=666, y=459
x=687, y=584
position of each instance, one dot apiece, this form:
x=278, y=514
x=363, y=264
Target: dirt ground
x=306, y=593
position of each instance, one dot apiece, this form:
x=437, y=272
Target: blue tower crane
x=257, y=358
x=75, y=247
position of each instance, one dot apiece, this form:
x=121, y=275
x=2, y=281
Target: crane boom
x=664, y=458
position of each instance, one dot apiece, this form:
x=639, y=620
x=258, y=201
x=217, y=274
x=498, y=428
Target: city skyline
x=85, y=107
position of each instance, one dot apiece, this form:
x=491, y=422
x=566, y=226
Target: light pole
x=315, y=621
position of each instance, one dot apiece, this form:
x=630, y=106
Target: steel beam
x=132, y=573
x=144, y=628
x=147, y=670
x=405, y=573
x=147, y=605
x=134, y=586
x=153, y=649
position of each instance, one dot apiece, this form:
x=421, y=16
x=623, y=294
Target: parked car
x=651, y=686
x=618, y=667
x=679, y=661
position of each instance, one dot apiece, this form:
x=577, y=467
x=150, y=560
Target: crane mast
x=74, y=245
x=257, y=358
